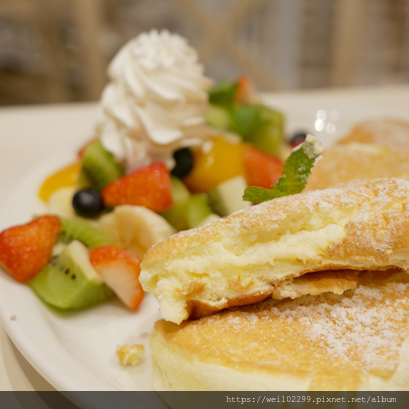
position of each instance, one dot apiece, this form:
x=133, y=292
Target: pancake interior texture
x=240, y=260
x=355, y=341
x=335, y=282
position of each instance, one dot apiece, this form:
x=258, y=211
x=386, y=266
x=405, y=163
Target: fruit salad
x=172, y=151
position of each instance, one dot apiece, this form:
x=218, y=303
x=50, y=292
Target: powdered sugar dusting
x=359, y=332
x=361, y=225
x=312, y=147
x=346, y=162
x=352, y=194
x=390, y=133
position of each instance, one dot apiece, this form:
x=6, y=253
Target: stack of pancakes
x=355, y=341
x=328, y=270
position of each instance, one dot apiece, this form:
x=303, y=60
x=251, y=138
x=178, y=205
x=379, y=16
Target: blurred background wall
x=58, y=50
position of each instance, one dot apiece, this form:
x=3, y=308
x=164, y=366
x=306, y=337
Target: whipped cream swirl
x=155, y=102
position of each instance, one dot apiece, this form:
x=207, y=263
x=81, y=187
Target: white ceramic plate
x=73, y=351
x=76, y=351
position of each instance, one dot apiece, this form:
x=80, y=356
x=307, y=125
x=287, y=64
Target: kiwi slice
x=197, y=210
x=218, y=116
x=267, y=138
x=75, y=228
x=176, y=215
x=84, y=181
x=268, y=135
x=98, y=168
x=227, y=197
x=70, y=282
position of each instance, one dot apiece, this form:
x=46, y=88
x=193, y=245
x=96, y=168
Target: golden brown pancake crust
x=380, y=201
x=346, y=162
x=336, y=281
x=198, y=309
x=334, y=341
x=388, y=132
x=372, y=216
x=320, y=282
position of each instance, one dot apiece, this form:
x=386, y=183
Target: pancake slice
x=355, y=341
x=241, y=259
x=336, y=282
x=356, y=160
x=388, y=132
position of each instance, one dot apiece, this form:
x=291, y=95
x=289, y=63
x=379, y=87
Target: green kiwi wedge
x=98, y=168
x=75, y=228
x=197, y=210
x=69, y=281
x=176, y=215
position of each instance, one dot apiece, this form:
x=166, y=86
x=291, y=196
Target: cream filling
x=254, y=269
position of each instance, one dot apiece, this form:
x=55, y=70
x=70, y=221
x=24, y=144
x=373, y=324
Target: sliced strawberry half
x=261, y=168
x=120, y=270
x=244, y=90
x=149, y=186
x=26, y=249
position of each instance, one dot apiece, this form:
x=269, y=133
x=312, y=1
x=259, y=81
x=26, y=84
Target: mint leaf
x=222, y=93
x=296, y=170
x=259, y=194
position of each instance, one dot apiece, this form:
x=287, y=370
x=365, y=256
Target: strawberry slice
x=244, y=90
x=26, y=249
x=120, y=270
x=149, y=186
x=261, y=168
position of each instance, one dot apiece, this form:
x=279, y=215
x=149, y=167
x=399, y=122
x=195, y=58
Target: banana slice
x=60, y=201
x=136, y=228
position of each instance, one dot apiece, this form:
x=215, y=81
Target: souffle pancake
x=355, y=341
x=244, y=258
x=375, y=148
x=390, y=133
x=356, y=160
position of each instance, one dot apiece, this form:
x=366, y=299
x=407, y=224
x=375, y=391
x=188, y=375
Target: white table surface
x=30, y=134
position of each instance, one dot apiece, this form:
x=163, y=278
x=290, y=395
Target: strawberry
x=149, y=186
x=261, y=168
x=26, y=249
x=244, y=90
x=120, y=270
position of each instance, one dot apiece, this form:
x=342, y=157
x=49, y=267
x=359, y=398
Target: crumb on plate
x=130, y=354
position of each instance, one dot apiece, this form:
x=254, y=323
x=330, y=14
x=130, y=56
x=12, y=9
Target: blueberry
x=184, y=162
x=87, y=203
x=297, y=138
